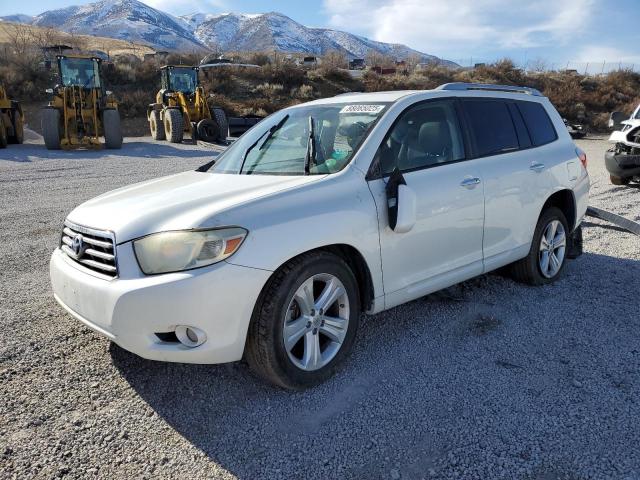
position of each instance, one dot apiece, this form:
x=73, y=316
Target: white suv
x=354, y=203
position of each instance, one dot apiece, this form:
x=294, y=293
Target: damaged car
x=355, y=203
x=623, y=159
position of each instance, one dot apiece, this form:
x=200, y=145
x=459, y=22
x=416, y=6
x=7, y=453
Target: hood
x=182, y=201
x=628, y=134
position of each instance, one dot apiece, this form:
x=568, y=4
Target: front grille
x=93, y=249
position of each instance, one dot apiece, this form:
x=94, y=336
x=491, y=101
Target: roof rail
x=489, y=88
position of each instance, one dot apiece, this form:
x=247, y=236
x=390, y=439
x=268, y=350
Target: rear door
x=427, y=145
x=516, y=177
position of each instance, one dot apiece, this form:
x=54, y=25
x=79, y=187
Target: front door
x=445, y=244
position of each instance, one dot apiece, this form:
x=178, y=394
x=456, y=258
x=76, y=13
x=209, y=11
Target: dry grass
x=38, y=35
x=279, y=83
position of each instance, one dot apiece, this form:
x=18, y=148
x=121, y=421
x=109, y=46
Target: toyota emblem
x=77, y=245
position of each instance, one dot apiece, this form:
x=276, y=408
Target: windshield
x=282, y=145
x=82, y=72
x=183, y=80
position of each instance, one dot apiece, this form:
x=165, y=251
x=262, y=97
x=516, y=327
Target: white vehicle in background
x=623, y=159
x=359, y=202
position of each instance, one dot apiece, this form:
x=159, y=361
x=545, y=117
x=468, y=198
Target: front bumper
x=130, y=309
x=622, y=165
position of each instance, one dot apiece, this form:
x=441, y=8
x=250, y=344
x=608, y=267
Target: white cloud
x=439, y=26
x=600, y=53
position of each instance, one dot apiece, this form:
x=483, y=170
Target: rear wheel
x=16, y=126
x=155, y=125
x=51, y=128
x=547, y=255
x=208, y=131
x=173, y=125
x=305, y=322
x=619, y=180
x=3, y=135
x=112, y=129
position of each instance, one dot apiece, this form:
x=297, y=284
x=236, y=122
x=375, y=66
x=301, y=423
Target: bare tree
x=334, y=59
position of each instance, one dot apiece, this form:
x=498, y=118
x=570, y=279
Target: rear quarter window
x=540, y=126
x=492, y=126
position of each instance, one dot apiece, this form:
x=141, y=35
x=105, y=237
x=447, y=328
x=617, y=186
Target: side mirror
x=401, y=203
x=406, y=209
x=616, y=119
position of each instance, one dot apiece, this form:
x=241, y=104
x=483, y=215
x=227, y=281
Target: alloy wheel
x=316, y=322
x=552, y=249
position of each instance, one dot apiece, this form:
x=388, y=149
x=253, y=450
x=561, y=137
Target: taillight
x=582, y=156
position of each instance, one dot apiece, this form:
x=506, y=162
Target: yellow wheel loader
x=181, y=106
x=11, y=120
x=80, y=110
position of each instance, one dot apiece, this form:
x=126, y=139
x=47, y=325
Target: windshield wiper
x=269, y=134
x=310, y=155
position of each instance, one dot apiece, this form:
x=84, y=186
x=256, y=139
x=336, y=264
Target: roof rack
x=489, y=88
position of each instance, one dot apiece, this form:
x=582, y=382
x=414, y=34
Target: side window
x=538, y=123
x=492, y=126
x=425, y=135
x=521, y=129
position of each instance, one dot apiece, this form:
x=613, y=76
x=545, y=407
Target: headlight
x=183, y=250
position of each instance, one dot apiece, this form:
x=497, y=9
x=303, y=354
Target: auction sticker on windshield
x=373, y=109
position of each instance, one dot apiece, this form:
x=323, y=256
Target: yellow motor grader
x=80, y=110
x=11, y=120
x=181, y=106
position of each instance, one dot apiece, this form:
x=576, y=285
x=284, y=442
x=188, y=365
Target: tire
x=221, y=119
x=619, y=180
x=18, y=127
x=155, y=125
x=3, y=135
x=266, y=352
x=529, y=269
x=208, y=131
x=173, y=125
x=112, y=129
x=51, y=128
x=194, y=132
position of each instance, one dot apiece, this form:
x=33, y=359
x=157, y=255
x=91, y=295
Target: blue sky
x=551, y=31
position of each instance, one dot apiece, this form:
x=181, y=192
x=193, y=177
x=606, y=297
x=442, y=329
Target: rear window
x=492, y=126
x=538, y=123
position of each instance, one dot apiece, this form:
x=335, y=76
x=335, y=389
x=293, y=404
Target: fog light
x=190, y=336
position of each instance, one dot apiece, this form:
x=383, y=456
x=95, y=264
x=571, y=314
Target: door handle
x=470, y=182
x=537, y=167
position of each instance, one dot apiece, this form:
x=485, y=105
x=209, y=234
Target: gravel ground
x=488, y=379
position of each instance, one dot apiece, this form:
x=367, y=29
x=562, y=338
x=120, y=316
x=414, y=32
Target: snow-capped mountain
x=18, y=18
x=134, y=21
x=124, y=19
x=275, y=31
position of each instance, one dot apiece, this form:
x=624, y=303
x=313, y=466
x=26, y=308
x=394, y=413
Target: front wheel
x=547, y=255
x=112, y=129
x=305, y=322
x=619, y=180
x=173, y=125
